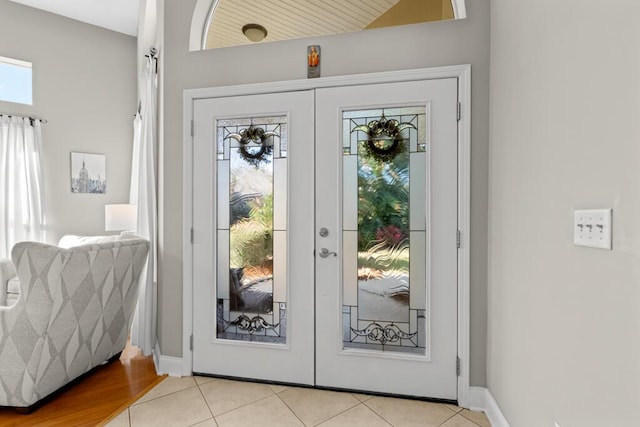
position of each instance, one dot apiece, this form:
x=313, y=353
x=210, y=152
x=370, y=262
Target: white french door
x=325, y=237
x=386, y=204
x=253, y=245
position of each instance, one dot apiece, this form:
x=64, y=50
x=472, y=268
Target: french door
x=325, y=250
x=386, y=203
x=253, y=246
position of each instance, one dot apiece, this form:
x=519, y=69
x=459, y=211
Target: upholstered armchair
x=73, y=313
x=7, y=274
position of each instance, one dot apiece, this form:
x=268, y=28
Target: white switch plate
x=592, y=228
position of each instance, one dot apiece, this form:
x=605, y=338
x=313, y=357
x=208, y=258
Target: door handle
x=324, y=253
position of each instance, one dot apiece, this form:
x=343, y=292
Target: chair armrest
x=7, y=272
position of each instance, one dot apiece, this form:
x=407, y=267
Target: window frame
x=23, y=98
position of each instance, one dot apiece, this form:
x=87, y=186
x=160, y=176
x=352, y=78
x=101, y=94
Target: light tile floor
x=209, y=402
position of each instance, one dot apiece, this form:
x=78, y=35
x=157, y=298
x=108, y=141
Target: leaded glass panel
x=384, y=229
x=252, y=238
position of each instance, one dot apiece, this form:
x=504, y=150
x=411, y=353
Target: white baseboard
x=477, y=398
x=167, y=364
x=481, y=399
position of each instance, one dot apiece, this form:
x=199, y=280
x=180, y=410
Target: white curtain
x=143, y=194
x=21, y=182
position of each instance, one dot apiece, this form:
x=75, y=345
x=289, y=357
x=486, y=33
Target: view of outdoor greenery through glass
x=251, y=234
x=384, y=166
x=251, y=298
x=383, y=236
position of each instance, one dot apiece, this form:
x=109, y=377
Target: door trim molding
x=464, y=225
x=461, y=72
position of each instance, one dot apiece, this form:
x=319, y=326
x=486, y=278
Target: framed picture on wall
x=88, y=173
x=313, y=61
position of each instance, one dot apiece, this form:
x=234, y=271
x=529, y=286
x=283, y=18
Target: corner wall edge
x=481, y=400
x=170, y=365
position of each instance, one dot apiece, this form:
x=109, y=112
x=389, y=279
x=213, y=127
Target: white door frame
x=461, y=72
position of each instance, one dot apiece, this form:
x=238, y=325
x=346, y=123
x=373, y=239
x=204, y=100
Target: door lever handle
x=324, y=253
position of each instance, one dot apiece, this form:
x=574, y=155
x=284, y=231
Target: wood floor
x=95, y=399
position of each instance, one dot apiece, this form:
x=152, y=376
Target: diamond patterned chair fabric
x=73, y=313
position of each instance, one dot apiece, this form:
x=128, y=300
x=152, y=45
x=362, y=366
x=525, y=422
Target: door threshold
x=319, y=387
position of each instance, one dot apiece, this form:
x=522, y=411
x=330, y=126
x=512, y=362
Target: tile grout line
x=460, y=413
x=368, y=397
x=473, y=422
x=172, y=393
x=159, y=397
x=341, y=412
x=292, y=411
x=348, y=409
x=205, y=402
x=381, y=416
x=376, y=412
x=447, y=420
x=378, y=415
x=241, y=406
x=208, y=380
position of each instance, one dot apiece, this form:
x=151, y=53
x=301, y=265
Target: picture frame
x=88, y=173
x=313, y=61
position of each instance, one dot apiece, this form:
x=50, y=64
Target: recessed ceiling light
x=254, y=32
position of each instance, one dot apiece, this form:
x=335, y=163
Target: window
x=15, y=81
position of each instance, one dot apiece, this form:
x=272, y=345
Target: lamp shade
x=123, y=217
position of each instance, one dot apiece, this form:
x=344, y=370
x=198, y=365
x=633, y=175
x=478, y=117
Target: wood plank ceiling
x=287, y=19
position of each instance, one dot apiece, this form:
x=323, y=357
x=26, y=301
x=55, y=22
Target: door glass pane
x=384, y=229
x=252, y=236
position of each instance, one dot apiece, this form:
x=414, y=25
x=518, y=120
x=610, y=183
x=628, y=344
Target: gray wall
x=84, y=84
x=564, y=320
x=413, y=46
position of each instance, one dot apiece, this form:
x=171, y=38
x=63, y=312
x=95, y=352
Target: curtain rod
x=153, y=53
x=153, y=56
x=32, y=118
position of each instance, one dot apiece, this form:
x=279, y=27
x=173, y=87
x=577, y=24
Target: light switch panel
x=592, y=227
